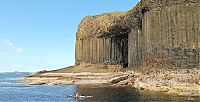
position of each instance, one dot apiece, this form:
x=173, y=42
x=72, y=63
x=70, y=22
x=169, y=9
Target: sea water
x=12, y=90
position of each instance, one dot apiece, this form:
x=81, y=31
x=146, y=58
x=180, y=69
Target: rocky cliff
x=101, y=38
x=154, y=32
x=171, y=32
x=109, y=23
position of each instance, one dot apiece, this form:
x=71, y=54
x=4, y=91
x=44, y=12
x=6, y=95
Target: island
x=155, y=46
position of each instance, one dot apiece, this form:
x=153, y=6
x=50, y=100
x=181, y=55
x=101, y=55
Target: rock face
x=153, y=33
x=104, y=38
x=172, y=33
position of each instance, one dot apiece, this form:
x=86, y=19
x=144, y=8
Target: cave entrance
x=121, y=43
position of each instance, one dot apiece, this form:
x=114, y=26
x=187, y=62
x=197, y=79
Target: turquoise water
x=15, y=91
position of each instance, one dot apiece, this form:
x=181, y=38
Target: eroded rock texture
x=172, y=34
x=153, y=33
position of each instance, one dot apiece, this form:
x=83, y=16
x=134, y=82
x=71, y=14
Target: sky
x=40, y=34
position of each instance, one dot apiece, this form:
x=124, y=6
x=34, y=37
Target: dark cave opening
x=121, y=42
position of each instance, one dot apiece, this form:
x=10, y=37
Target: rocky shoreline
x=184, y=82
x=67, y=78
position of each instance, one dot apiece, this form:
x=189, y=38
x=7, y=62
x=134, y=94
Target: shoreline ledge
x=184, y=82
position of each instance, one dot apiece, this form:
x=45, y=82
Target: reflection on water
x=109, y=94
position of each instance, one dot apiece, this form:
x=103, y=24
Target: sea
x=13, y=90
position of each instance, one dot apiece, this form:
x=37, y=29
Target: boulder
x=140, y=85
x=118, y=79
x=36, y=82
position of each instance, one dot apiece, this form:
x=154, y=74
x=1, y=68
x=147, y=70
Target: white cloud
x=2, y=53
x=18, y=65
x=19, y=50
x=9, y=46
x=8, y=42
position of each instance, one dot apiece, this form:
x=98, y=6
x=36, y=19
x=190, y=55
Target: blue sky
x=40, y=34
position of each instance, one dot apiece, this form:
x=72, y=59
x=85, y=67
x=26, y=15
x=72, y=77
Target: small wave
x=4, y=72
x=8, y=79
x=7, y=84
x=14, y=72
x=16, y=86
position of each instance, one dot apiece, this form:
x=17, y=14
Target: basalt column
x=95, y=50
x=78, y=51
x=135, y=48
x=172, y=35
